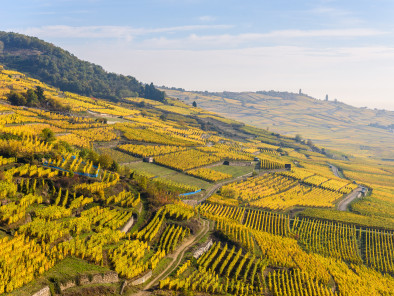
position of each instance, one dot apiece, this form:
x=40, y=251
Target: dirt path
x=177, y=257
x=356, y=193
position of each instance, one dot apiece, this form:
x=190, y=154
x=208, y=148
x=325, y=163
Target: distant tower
x=300, y=92
x=326, y=97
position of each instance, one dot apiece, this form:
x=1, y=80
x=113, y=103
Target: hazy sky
x=341, y=48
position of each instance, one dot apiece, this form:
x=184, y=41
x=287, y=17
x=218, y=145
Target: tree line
x=57, y=67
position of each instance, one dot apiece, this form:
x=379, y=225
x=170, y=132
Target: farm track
x=177, y=257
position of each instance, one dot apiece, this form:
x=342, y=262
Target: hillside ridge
x=59, y=68
x=333, y=124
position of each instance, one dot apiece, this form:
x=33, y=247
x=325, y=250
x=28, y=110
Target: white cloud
x=159, y=38
x=206, y=18
x=284, y=37
x=109, y=31
x=337, y=15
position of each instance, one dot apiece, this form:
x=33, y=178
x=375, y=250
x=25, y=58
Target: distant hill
x=55, y=66
x=358, y=131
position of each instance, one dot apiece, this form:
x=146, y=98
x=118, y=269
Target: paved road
x=335, y=171
x=356, y=193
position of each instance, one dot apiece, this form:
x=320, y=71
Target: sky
x=344, y=49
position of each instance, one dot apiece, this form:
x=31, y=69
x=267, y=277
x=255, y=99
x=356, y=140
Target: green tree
x=105, y=161
x=40, y=93
x=298, y=138
x=150, y=92
x=17, y=99
x=194, y=104
x=114, y=166
x=32, y=98
x=47, y=135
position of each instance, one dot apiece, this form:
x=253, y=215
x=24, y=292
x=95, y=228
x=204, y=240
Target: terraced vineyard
x=223, y=210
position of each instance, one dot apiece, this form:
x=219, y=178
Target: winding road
x=335, y=171
x=356, y=193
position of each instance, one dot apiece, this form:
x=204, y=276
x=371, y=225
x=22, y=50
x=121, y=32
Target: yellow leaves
x=150, y=150
x=179, y=210
x=233, y=213
x=257, y=187
x=208, y=174
x=13, y=212
x=95, y=187
x=186, y=159
x=127, y=258
x=104, y=134
x=28, y=145
x=53, y=212
x=74, y=140
x=171, y=236
x=22, y=258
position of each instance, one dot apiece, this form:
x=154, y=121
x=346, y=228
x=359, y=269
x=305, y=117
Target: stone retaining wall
x=142, y=279
x=128, y=225
x=82, y=280
x=67, y=285
x=203, y=249
x=43, y=292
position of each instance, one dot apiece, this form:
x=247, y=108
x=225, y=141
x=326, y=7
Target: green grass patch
x=140, y=218
x=166, y=173
x=118, y=156
x=189, y=180
x=71, y=267
x=150, y=168
x=235, y=171
x=163, y=263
